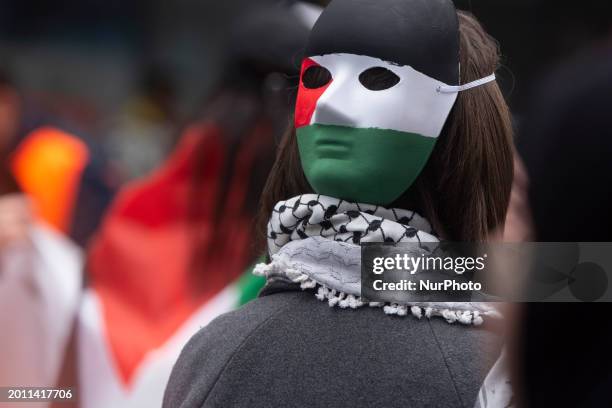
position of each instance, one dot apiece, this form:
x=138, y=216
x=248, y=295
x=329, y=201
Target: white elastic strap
x=465, y=87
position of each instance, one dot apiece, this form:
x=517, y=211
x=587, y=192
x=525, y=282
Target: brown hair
x=464, y=189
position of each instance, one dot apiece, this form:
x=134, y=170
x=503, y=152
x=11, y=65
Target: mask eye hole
x=378, y=79
x=315, y=77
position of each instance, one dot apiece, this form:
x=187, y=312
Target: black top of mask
x=423, y=34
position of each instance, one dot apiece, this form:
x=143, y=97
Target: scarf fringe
x=343, y=300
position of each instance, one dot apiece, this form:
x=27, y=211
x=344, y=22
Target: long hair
x=464, y=189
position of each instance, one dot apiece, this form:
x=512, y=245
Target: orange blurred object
x=48, y=165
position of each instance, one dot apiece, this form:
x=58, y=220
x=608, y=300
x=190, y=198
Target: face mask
x=368, y=115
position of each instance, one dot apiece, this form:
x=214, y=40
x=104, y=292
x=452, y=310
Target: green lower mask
x=372, y=166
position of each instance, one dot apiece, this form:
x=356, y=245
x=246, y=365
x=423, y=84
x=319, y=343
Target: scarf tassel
x=346, y=301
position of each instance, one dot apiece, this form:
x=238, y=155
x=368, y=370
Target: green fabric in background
x=250, y=285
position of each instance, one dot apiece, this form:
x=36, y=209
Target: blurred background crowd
x=136, y=137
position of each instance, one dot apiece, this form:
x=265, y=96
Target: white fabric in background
x=40, y=285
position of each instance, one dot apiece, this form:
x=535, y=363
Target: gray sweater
x=287, y=349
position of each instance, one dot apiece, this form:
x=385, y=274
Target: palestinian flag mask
x=378, y=83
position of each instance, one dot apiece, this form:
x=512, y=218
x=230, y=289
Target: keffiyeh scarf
x=314, y=240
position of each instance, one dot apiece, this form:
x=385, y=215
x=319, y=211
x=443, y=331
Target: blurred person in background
x=40, y=282
x=15, y=211
x=40, y=269
x=64, y=175
x=172, y=250
x=562, y=356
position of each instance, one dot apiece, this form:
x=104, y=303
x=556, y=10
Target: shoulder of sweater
x=210, y=350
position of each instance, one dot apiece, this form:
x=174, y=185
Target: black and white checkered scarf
x=342, y=221
x=314, y=240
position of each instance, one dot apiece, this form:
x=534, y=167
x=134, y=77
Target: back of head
x=262, y=53
x=266, y=39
